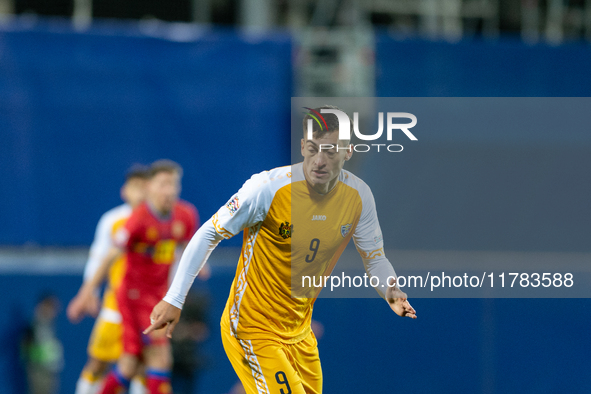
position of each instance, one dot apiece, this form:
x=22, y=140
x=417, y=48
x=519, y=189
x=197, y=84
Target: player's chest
x=155, y=231
x=296, y=225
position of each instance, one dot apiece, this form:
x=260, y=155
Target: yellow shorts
x=270, y=366
x=105, y=341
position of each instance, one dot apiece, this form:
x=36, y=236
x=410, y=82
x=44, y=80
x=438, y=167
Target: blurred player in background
x=149, y=239
x=266, y=332
x=41, y=349
x=104, y=347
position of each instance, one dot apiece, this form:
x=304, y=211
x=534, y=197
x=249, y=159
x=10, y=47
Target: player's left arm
x=370, y=245
x=168, y=311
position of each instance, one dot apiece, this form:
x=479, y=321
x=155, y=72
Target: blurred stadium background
x=89, y=87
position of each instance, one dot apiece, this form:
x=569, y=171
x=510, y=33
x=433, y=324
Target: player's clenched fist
x=164, y=315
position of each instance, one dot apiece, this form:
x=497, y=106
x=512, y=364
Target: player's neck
x=323, y=188
x=158, y=212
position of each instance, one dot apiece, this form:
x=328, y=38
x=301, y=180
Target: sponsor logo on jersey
x=285, y=230
x=233, y=205
x=345, y=228
x=377, y=238
x=318, y=217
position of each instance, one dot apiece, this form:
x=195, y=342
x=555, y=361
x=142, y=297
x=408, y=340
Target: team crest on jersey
x=345, y=229
x=178, y=229
x=233, y=205
x=285, y=230
x=152, y=233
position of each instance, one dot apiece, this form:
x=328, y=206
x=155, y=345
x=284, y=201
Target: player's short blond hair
x=137, y=171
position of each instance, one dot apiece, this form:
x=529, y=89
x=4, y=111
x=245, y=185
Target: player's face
x=134, y=191
x=322, y=164
x=163, y=190
x=47, y=310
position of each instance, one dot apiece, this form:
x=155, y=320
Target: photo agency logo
x=345, y=130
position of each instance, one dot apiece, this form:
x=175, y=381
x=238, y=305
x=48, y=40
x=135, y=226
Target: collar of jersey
x=158, y=215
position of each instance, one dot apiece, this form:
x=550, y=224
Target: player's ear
x=349, y=152
x=302, y=146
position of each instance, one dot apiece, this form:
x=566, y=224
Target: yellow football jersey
x=116, y=273
x=290, y=230
x=105, y=340
x=108, y=225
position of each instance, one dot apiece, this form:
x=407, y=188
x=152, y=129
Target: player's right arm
x=99, y=249
x=195, y=255
x=245, y=209
x=87, y=301
x=100, y=245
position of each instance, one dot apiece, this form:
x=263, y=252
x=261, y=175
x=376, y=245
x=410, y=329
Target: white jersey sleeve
x=103, y=240
x=369, y=242
x=368, y=234
x=246, y=208
x=193, y=259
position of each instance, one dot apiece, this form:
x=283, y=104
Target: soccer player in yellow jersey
x=104, y=347
x=265, y=326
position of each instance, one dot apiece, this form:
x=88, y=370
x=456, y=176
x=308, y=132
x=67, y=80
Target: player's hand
x=164, y=315
x=205, y=273
x=75, y=309
x=399, y=303
x=85, y=302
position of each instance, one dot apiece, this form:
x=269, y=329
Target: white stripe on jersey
x=242, y=283
x=255, y=367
